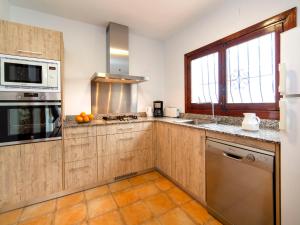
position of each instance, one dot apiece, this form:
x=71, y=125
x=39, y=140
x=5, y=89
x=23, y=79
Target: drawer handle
x=232, y=156
x=127, y=158
x=125, y=139
x=79, y=168
x=77, y=145
x=125, y=129
x=30, y=52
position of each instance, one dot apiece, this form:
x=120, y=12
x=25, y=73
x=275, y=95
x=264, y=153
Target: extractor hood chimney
x=117, y=57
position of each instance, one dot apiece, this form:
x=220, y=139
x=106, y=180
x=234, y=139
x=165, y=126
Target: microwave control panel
x=52, y=75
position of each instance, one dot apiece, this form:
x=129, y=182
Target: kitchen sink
x=196, y=121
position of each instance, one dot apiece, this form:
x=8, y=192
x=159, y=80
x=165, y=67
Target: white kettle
x=251, y=122
x=149, y=111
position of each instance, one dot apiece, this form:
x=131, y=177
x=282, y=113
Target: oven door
x=23, y=122
x=23, y=73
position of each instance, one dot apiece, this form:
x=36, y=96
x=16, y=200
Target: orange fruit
x=91, y=116
x=83, y=114
x=86, y=119
x=79, y=119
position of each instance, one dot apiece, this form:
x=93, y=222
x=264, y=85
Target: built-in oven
x=29, y=74
x=29, y=120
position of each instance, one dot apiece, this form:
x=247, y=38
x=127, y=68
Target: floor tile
x=197, y=212
x=96, y=192
x=119, y=186
x=41, y=220
x=152, y=176
x=38, y=209
x=136, y=213
x=175, y=217
x=126, y=197
x=10, y=217
x=70, y=200
x=71, y=215
x=99, y=206
x=178, y=196
x=159, y=203
x=163, y=184
x=146, y=190
x=137, y=180
x=110, y=218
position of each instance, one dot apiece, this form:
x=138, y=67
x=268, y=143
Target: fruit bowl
x=84, y=118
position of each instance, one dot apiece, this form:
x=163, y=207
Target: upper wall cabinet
x=24, y=40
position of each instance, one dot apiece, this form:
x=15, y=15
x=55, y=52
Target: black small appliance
x=158, y=109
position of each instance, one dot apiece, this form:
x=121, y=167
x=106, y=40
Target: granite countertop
x=267, y=135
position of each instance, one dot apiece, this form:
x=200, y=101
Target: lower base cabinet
x=80, y=173
x=30, y=171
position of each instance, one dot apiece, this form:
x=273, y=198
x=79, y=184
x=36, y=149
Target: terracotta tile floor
x=148, y=199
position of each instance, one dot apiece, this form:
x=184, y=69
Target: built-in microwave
x=29, y=74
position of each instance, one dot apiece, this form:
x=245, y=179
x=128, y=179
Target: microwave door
x=24, y=73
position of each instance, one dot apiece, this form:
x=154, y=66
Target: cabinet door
x=41, y=165
x=163, y=148
x=10, y=175
x=24, y=40
x=80, y=173
x=80, y=148
x=196, y=164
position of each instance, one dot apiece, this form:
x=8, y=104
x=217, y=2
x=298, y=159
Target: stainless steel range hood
x=117, y=57
x=115, y=91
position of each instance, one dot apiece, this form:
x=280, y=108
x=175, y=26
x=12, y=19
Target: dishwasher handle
x=232, y=156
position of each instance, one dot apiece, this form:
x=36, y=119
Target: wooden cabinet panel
x=125, y=142
x=79, y=132
x=10, y=175
x=123, y=128
x=188, y=159
x=80, y=148
x=24, y=40
x=80, y=173
x=41, y=165
x=163, y=148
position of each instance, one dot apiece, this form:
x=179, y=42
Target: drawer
x=80, y=173
x=79, y=132
x=125, y=142
x=80, y=148
x=123, y=128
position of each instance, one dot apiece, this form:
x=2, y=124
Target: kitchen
x=128, y=66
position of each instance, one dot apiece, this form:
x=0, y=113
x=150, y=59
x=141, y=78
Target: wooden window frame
x=278, y=24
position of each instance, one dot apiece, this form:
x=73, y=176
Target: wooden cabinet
x=10, y=175
x=80, y=148
x=23, y=40
x=163, y=148
x=80, y=173
x=41, y=165
x=124, y=149
x=188, y=159
x=181, y=155
x=30, y=171
x=80, y=157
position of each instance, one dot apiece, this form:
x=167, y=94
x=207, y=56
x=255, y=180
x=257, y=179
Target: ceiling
x=153, y=18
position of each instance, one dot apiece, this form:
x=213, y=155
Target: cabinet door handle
x=125, y=129
x=30, y=52
x=79, y=168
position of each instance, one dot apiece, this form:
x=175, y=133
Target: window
x=238, y=73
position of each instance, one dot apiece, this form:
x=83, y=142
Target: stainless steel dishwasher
x=240, y=183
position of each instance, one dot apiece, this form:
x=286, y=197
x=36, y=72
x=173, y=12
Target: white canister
x=149, y=111
x=251, y=122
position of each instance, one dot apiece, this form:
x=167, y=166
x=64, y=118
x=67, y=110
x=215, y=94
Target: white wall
x=4, y=9
x=85, y=53
x=228, y=18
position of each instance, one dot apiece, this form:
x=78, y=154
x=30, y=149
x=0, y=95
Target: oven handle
x=29, y=103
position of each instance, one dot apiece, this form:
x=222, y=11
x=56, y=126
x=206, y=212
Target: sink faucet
x=213, y=111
